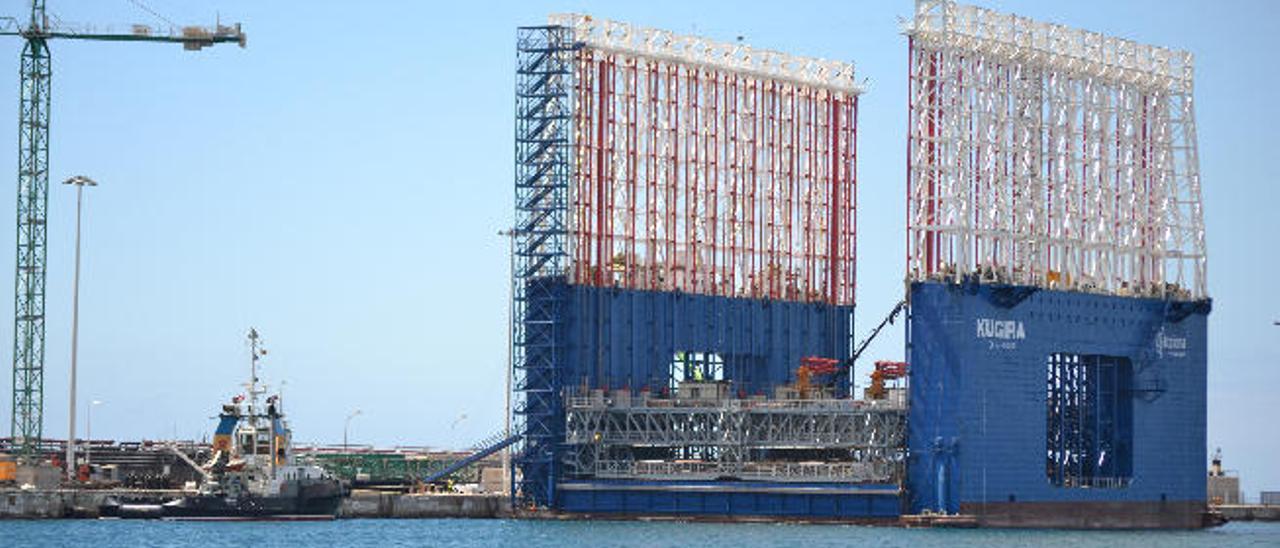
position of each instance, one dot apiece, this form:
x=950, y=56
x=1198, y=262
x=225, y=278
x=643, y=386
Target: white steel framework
x=666, y=46
x=710, y=168
x=1049, y=156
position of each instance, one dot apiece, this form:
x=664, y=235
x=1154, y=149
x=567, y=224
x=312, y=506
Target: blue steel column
x=543, y=117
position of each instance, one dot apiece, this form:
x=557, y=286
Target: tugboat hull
x=319, y=500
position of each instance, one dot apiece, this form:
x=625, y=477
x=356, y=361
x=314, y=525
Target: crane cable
x=154, y=13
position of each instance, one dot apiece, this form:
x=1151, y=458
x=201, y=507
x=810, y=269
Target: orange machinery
x=885, y=371
x=811, y=366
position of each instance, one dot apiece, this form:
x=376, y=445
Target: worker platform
x=703, y=453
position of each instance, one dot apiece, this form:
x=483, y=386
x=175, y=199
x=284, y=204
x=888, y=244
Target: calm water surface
x=86, y=533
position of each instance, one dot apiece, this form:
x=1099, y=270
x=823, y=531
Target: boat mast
x=255, y=351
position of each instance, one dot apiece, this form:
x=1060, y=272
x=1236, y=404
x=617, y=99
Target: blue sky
x=339, y=185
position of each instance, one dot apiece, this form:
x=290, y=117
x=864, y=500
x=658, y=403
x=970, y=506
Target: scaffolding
x=761, y=440
x=543, y=62
x=710, y=168
x=1049, y=156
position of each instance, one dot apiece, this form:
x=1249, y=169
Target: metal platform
x=834, y=440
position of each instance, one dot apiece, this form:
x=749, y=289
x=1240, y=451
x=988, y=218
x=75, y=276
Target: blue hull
x=1030, y=403
x=621, y=338
x=730, y=500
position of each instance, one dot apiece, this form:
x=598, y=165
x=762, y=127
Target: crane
x=862, y=346
x=827, y=368
x=33, y=187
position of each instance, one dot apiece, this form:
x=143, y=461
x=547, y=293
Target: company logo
x=1005, y=330
x=1175, y=347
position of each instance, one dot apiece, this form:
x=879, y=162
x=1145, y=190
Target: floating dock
x=684, y=275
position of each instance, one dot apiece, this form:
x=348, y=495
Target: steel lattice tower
x=33, y=198
x=542, y=149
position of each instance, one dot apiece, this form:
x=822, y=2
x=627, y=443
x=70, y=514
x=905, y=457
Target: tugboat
x=252, y=473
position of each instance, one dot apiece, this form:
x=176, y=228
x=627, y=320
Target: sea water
x=572, y=534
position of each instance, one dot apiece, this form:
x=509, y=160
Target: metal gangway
x=484, y=450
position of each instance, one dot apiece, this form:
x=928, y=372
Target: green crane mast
x=33, y=197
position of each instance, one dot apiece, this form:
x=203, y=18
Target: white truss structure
x=663, y=45
x=1050, y=156
x=709, y=168
x=746, y=439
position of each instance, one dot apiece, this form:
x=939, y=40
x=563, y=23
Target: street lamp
x=88, y=428
x=80, y=181
x=510, y=368
x=347, y=426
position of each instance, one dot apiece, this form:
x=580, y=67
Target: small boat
x=252, y=473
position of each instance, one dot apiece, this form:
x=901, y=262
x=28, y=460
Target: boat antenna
x=256, y=351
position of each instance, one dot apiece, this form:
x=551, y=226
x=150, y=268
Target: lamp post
x=510, y=369
x=80, y=181
x=88, y=428
x=347, y=426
